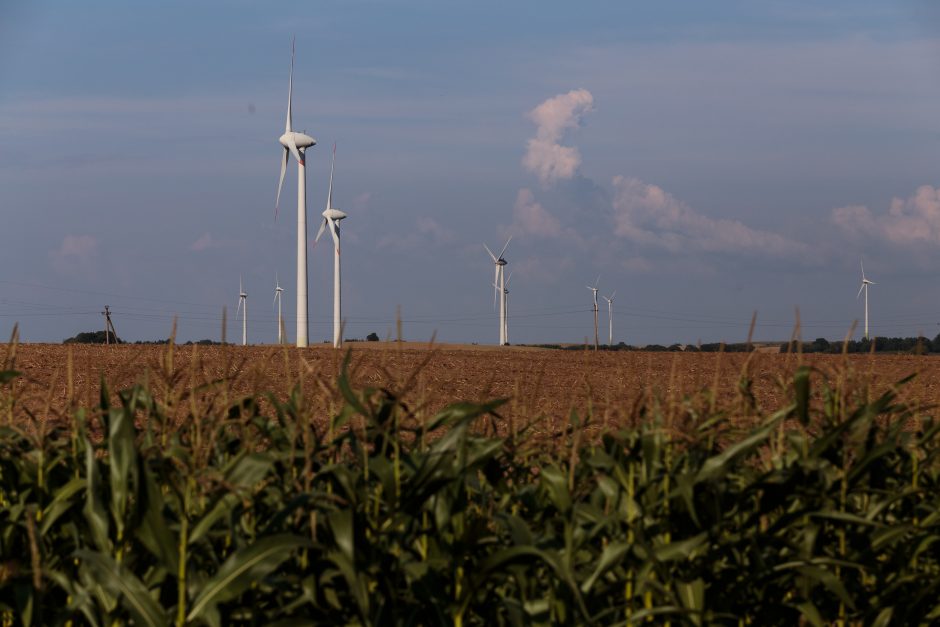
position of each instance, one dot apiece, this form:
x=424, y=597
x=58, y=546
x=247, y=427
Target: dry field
x=543, y=386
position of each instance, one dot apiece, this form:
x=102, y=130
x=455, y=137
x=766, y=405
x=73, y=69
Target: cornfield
x=176, y=502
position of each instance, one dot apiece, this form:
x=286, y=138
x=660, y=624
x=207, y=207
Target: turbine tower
x=593, y=288
x=243, y=308
x=331, y=218
x=499, y=285
x=610, y=318
x=296, y=144
x=864, y=286
x=506, y=308
x=277, y=301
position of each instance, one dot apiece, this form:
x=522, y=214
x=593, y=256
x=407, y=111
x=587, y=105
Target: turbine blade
x=280, y=183
x=495, y=286
x=614, y=293
x=295, y=151
x=290, y=87
x=597, y=280
x=490, y=252
x=505, y=247
x=862, y=263
x=860, y=291
x=329, y=196
x=509, y=278
x=320, y=232
x=334, y=231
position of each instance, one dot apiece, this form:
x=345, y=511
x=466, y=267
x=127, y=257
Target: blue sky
x=705, y=159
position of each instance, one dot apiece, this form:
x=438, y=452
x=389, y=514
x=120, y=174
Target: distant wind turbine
x=331, y=218
x=610, y=318
x=499, y=285
x=593, y=289
x=243, y=309
x=296, y=144
x=864, y=287
x=277, y=301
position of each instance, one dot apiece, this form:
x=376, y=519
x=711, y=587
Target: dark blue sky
x=706, y=159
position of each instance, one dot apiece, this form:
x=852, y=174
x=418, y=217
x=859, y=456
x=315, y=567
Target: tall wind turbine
x=499, y=285
x=864, y=286
x=296, y=144
x=610, y=318
x=506, y=307
x=593, y=288
x=243, y=309
x=277, y=301
x=331, y=218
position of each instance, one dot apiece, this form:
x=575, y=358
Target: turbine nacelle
x=333, y=214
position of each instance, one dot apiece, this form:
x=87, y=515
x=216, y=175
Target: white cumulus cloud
x=914, y=220
x=649, y=215
x=544, y=156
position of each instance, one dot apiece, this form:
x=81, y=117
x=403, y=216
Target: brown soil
x=544, y=386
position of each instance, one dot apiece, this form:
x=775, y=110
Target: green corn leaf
x=122, y=463
x=242, y=568
x=60, y=504
x=692, y=597
x=801, y=393
x=120, y=582
x=94, y=510
x=612, y=555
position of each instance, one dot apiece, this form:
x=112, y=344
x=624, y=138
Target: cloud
x=77, y=253
x=531, y=218
x=648, y=215
x=426, y=231
x=915, y=220
x=544, y=156
x=205, y=242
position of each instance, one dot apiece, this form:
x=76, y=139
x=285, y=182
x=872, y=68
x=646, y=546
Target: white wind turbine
x=506, y=307
x=243, y=308
x=593, y=289
x=277, y=301
x=331, y=218
x=499, y=285
x=610, y=318
x=296, y=144
x=864, y=286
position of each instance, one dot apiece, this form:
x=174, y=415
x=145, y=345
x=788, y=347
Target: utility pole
x=108, y=326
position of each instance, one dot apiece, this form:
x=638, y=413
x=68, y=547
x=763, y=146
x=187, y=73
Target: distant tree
x=820, y=345
x=91, y=337
x=372, y=337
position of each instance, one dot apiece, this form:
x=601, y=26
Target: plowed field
x=543, y=385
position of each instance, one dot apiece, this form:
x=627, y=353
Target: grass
x=179, y=500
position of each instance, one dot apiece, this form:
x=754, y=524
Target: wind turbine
x=499, y=285
x=864, y=286
x=610, y=318
x=277, y=301
x=243, y=308
x=506, y=308
x=593, y=288
x=296, y=144
x=331, y=218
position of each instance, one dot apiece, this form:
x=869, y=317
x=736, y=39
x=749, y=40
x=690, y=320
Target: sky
x=704, y=160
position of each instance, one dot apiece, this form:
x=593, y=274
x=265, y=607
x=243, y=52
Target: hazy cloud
x=915, y=220
x=426, y=231
x=531, y=218
x=205, y=242
x=545, y=157
x=77, y=253
x=647, y=214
